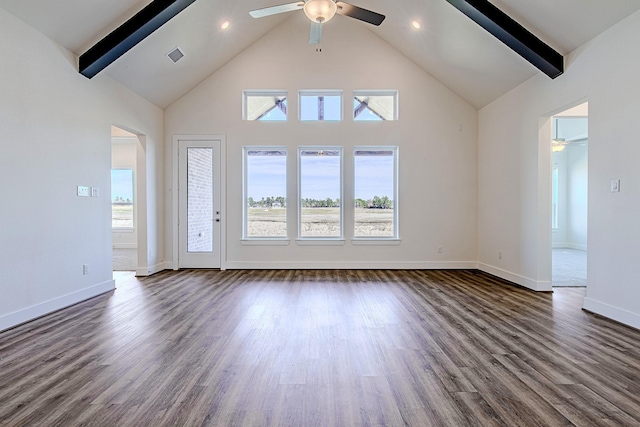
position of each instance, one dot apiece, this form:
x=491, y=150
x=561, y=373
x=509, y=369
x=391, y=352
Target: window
x=375, y=192
x=122, y=198
x=320, y=192
x=320, y=105
x=375, y=105
x=265, y=190
x=265, y=105
x=554, y=197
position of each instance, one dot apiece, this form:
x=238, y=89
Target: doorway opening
x=569, y=184
x=124, y=197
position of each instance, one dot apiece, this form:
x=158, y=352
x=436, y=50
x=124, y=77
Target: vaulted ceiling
x=450, y=46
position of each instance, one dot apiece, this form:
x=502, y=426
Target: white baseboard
x=125, y=246
x=609, y=311
x=354, y=265
x=577, y=246
x=148, y=271
x=38, y=310
x=540, y=286
x=569, y=246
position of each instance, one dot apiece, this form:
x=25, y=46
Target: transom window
x=321, y=105
x=265, y=105
x=375, y=105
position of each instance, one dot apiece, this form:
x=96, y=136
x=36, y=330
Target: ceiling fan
x=321, y=11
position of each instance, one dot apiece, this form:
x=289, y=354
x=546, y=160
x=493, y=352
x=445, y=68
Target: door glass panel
x=199, y=199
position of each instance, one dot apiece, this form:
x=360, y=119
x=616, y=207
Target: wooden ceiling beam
x=514, y=35
x=129, y=34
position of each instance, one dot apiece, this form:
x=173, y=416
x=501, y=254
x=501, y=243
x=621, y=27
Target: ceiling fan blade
x=356, y=12
x=274, y=10
x=315, y=35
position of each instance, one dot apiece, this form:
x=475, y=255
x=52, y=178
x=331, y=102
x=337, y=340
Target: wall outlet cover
x=615, y=185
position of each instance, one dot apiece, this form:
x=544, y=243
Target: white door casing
x=198, y=227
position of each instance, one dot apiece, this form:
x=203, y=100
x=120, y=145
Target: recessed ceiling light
x=416, y=24
x=224, y=25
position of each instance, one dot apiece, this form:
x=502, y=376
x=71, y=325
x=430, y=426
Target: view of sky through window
x=374, y=178
x=265, y=192
x=320, y=107
x=320, y=193
x=122, y=198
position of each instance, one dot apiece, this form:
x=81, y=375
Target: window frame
x=320, y=240
x=396, y=204
x=256, y=240
x=378, y=92
x=263, y=93
x=133, y=202
x=321, y=92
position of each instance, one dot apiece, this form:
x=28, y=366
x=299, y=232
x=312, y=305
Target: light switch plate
x=95, y=192
x=615, y=185
x=83, y=191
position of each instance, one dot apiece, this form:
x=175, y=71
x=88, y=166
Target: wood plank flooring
x=321, y=348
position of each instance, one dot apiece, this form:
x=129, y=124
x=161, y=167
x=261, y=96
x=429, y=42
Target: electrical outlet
x=85, y=269
x=499, y=254
x=440, y=249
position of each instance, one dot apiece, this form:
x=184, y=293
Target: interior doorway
x=124, y=197
x=569, y=182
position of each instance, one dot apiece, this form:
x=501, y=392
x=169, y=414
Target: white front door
x=199, y=195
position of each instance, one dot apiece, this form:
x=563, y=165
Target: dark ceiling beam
x=129, y=34
x=513, y=35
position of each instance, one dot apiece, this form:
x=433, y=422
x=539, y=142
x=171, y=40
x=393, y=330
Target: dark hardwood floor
x=321, y=348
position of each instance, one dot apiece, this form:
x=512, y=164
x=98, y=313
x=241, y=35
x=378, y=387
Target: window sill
x=123, y=230
x=264, y=242
x=365, y=241
x=320, y=242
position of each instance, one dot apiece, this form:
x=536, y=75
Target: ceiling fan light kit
x=320, y=10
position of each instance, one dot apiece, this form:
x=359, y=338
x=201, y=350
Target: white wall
x=437, y=161
x=514, y=164
x=55, y=136
x=123, y=156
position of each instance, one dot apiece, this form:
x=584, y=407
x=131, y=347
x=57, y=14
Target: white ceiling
x=450, y=46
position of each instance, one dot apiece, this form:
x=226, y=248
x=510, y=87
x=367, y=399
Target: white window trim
x=375, y=241
x=262, y=240
x=321, y=92
x=123, y=229
x=262, y=92
x=265, y=241
x=320, y=240
x=379, y=240
x=378, y=92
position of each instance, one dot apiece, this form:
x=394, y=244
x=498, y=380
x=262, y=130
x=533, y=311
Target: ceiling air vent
x=175, y=55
